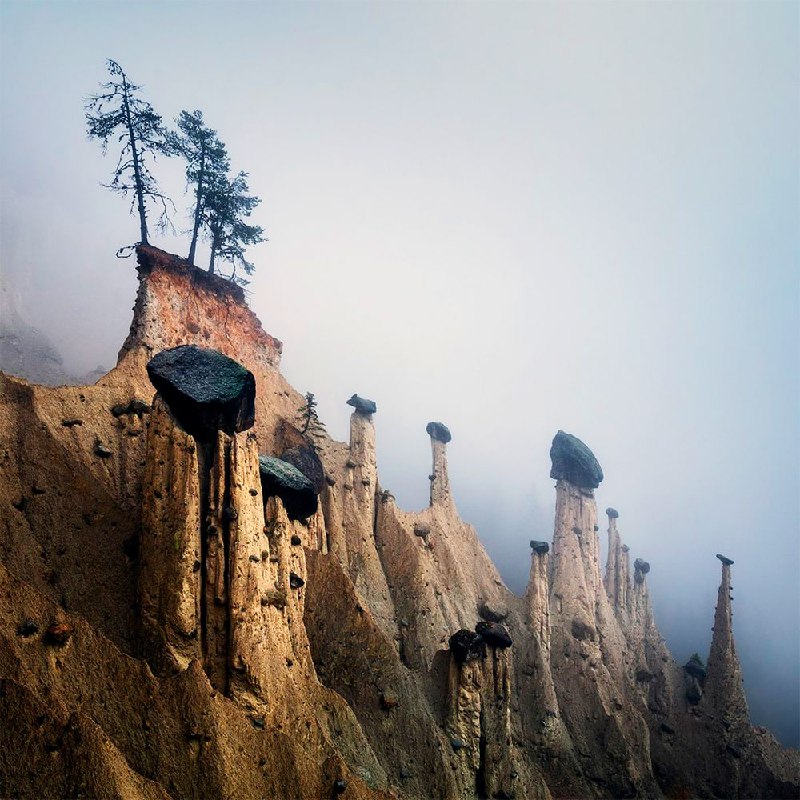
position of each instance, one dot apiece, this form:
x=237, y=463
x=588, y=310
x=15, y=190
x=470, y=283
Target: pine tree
x=118, y=112
x=227, y=205
x=206, y=163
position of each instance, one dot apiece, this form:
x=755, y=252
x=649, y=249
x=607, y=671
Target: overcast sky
x=512, y=218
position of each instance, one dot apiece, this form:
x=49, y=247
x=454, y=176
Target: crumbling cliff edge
x=199, y=600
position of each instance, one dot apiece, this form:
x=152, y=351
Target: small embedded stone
x=339, y=786
x=421, y=530
x=540, y=547
x=456, y=744
x=229, y=514
x=389, y=700
x=258, y=722
x=362, y=405
x=27, y=628
x=576, y=530
x=71, y=423
x=466, y=646
x=101, y=450
x=438, y=431
x=137, y=407
x=58, y=633
x=296, y=540
x=494, y=634
x=295, y=581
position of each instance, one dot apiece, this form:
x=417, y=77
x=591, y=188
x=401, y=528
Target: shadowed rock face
x=574, y=462
x=281, y=479
x=362, y=405
x=438, y=431
x=204, y=389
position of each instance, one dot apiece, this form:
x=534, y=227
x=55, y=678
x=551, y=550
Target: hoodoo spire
x=724, y=690
x=440, y=482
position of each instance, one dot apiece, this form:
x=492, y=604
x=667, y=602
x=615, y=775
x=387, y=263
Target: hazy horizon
x=511, y=218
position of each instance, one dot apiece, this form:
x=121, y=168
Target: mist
x=513, y=218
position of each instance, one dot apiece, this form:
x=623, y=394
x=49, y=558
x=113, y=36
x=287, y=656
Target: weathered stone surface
x=362, y=405
x=574, y=462
x=438, y=431
x=281, y=479
x=492, y=612
x=494, y=634
x=540, y=547
x=612, y=513
x=466, y=646
x=305, y=458
x=204, y=389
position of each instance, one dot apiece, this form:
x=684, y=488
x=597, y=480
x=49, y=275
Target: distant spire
x=724, y=690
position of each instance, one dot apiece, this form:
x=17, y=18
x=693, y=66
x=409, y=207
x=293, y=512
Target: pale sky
x=510, y=217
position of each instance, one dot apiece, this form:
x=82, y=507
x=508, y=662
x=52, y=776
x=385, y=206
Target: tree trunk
x=214, y=243
x=198, y=204
x=135, y=157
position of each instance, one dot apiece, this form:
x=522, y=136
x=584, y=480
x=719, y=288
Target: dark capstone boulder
x=466, y=646
x=204, y=389
x=305, y=458
x=494, y=634
x=280, y=479
x=540, y=547
x=724, y=559
x=612, y=513
x=362, y=405
x=642, y=568
x=296, y=540
x=438, y=431
x=574, y=462
x=625, y=548
x=694, y=667
x=492, y=612
x=295, y=581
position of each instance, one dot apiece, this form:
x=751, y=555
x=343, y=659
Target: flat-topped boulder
x=438, y=431
x=574, y=462
x=492, y=612
x=612, y=513
x=205, y=390
x=304, y=457
x=362, y=405
x=281, y=479
x=540, y=547
x=725, y=559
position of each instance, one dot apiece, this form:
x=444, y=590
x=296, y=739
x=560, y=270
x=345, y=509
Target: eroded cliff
x=200, y=600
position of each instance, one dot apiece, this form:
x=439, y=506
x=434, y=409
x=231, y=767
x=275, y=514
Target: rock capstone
x=540, y=547
x=725, y=559
x=466, y=646
x=438, y=431
x=612, y=513
x=494, y=634
x=281, y=479
x=574, y=462
x=204, y=389
x=362, y=405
